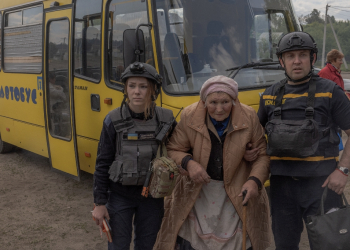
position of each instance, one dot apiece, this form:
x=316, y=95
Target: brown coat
x=192, y=133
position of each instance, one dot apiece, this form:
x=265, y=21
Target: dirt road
x=44, y=210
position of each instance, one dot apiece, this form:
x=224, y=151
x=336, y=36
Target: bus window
x=13, y=19
x=126, y=15
x=204, y=38
x=23, y=40
x=32, y=15
x=57, y=79
x=278, y=29
x=87, y=39
x=176, y=24
x=269, y=28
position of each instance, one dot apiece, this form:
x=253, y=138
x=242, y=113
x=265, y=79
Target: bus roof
x=4, y=4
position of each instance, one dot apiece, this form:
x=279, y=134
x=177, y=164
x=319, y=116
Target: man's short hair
x=333, y=55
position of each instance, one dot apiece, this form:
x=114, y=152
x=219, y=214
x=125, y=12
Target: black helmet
x=296, y=41
x=138, y=69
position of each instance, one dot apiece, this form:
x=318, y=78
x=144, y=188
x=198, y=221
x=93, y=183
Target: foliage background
x=314, y=25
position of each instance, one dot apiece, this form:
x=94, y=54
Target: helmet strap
x=301, y=79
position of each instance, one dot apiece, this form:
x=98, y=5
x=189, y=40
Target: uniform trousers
x=292, y=200
x=145, y=214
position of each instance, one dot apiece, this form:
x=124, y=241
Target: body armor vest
x=301, y=138
x=136, y=145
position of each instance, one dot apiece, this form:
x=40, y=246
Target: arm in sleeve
x=262, y=114
x=340, y=108
x=341, y=116
x=105, y=156
x=179, y=144
x=260, y=166
x=57, y=93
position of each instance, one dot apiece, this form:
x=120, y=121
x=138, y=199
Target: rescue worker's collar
x=139, y=116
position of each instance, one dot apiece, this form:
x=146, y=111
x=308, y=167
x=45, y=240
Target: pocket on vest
x=115, y=171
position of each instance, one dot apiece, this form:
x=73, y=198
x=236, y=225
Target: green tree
x=342, y=30
x=314, y=17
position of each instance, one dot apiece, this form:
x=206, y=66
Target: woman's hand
x=251, y=154
x=252, y=190
x=197, y=172
x=99, y=213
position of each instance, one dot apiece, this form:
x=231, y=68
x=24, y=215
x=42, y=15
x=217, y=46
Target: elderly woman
x=332, y=69
x=205, y=210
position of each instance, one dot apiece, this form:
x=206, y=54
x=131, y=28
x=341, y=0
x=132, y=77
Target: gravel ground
x=42, y=209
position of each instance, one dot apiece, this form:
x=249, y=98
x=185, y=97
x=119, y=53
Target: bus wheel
x=5, y=147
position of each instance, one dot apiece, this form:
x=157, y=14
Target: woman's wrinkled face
x=219, y=105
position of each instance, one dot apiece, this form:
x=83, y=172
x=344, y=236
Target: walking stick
x=244, y=222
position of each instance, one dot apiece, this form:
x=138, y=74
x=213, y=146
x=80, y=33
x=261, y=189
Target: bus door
x=58, y=92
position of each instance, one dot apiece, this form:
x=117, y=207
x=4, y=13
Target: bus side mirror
x=133, y=48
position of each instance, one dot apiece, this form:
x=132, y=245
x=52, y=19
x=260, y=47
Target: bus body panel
x=21, y=97
x=24, y=135
x=61, y=138
x=87, y=149
x=24, y=103
x=21, y=101
x=89, y=122
x=15, y=3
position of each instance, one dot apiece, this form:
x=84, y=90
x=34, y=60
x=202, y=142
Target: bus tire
x=6, y=147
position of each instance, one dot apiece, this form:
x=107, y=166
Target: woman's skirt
x=213, y=223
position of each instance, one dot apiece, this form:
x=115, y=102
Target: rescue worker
x=126, y=148
x=301, y=168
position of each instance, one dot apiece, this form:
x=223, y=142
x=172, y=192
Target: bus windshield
x=200, y=39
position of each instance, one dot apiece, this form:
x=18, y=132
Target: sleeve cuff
x=257, y=181
x=185, y=161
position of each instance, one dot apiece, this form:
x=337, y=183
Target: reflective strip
x=314, y=158
x=269, y=97
x=327, y=94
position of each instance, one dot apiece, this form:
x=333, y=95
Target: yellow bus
x=61, y=63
